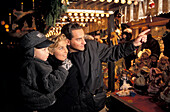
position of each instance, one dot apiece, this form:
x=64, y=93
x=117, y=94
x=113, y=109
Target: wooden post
x=111, y=66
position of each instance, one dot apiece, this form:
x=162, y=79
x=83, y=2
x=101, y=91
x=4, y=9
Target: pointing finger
x=144, y=32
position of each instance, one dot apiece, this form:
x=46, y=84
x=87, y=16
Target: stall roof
x=94, y=5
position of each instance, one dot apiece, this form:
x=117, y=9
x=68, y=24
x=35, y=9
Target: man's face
x=77, y=42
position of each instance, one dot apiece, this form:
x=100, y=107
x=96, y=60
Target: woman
x=67, y=95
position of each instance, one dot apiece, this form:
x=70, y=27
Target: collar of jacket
x=36, y=59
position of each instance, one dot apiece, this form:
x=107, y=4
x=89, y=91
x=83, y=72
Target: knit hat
x=34, y=39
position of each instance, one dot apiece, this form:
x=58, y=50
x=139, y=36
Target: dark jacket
x=38, y=83
x=67, y=95
x=91, y=58
x=152, y=44
x=166, y=40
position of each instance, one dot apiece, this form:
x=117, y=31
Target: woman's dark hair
x=67, y=29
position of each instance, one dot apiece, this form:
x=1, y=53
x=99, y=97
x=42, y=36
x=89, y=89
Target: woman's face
x=61, y=51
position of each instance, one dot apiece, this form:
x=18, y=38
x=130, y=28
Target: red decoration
x=151, y=4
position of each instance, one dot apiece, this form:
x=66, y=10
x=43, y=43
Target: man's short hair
x=67, y=29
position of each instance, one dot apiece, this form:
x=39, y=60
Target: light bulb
x=129, y=2
x=109, y=1
x=116, y=1
x=123, y=1
x=101, y=0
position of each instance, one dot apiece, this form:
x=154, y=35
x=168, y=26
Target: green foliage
x=57, y=8
x=47, y=12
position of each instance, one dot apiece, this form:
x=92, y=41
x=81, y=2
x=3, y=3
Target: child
x=38, y=80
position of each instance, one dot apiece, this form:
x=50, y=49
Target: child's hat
x=34, y=39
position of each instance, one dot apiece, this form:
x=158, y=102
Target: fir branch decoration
x=48, y=11
x=57, y=8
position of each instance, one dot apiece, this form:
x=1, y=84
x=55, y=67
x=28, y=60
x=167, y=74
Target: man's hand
x=142, y=37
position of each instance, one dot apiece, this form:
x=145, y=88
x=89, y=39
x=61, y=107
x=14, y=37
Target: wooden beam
x=116, y=7
x=159, y=22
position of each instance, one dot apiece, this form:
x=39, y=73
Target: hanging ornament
x=151, y=4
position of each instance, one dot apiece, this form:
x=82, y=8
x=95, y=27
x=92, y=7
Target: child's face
x=61, y=51
x=42, y=53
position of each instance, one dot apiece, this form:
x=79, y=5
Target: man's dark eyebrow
x=80, y=38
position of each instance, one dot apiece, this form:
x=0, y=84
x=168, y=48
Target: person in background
x=38, y=80
x=87, y=56
x=127, y=36
x=166, y=41
x=151, y=44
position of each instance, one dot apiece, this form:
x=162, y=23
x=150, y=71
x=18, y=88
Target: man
x=87, y=56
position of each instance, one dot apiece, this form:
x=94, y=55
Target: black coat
x=38, y=82
x=153, y=45
x=91, y=59
x=67, y=95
